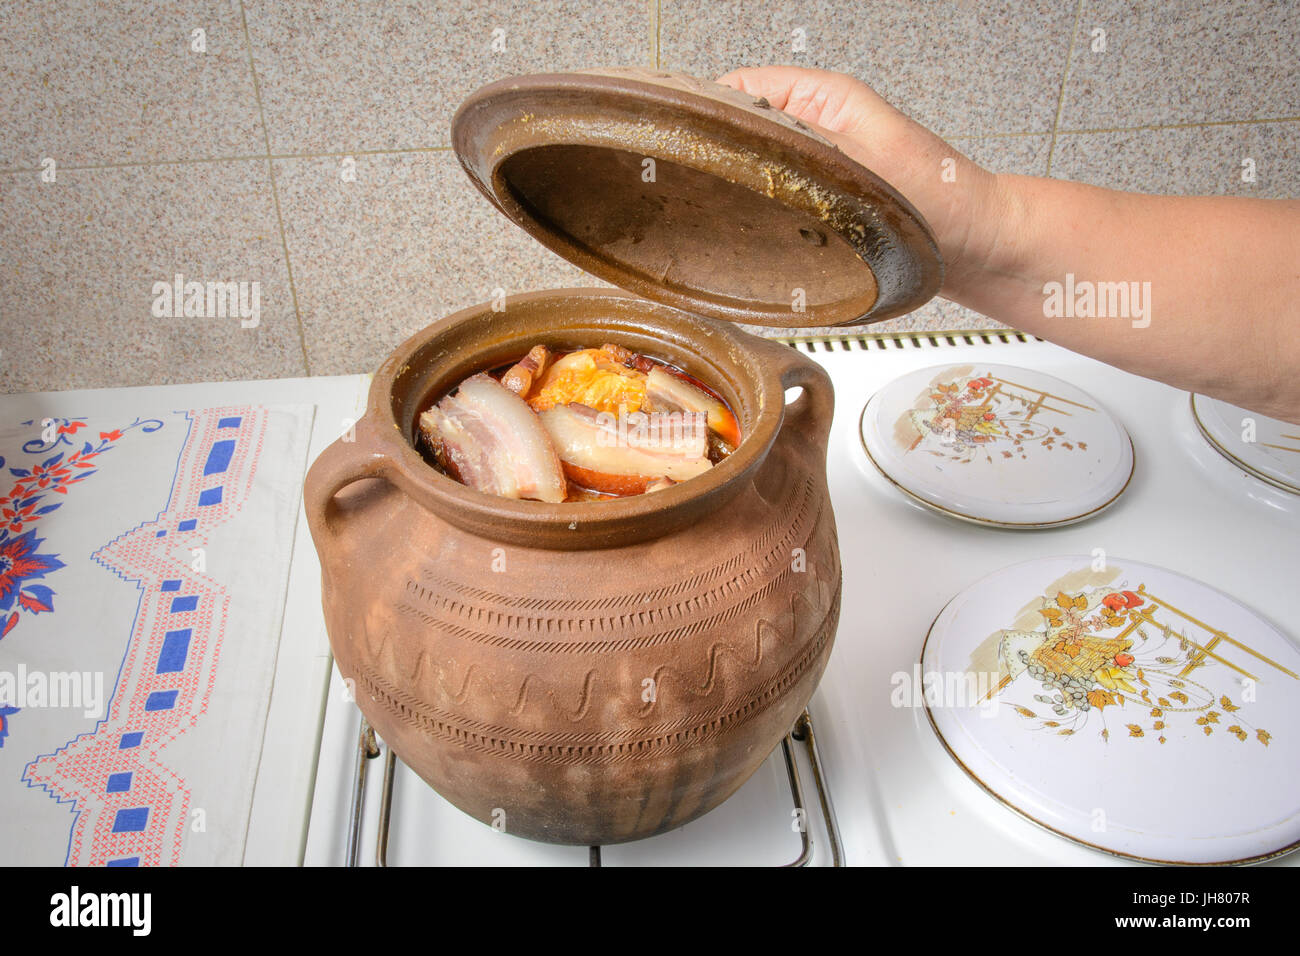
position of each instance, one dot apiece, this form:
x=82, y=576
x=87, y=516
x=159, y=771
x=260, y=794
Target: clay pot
x=594, y=672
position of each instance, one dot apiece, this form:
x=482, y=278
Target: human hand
x=962, y=202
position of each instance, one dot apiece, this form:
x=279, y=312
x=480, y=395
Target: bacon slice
x=485, y=436
x=600, y=452
x=666, y=392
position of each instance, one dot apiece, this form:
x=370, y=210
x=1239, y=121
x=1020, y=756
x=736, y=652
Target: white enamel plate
x=1123, y=706
x=997, y=445
x=1264, y=447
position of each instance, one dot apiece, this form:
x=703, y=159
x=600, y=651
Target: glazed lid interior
x=697, y=196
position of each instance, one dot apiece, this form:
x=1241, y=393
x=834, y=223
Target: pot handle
x=813, y=409
x=338, y=466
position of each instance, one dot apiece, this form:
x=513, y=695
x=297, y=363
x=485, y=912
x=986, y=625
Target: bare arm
x=1199, y=292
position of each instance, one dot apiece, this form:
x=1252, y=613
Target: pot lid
x=1123, y=706
x=997, y=445
x=696, y=195
x=1263, y=447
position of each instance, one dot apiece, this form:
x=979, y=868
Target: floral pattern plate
x=1264, y=447
x=997, y=445
x=1122, y=706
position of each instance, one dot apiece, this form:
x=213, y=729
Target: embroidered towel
x=143, y=566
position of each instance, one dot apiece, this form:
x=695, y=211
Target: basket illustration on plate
x=1081, y=657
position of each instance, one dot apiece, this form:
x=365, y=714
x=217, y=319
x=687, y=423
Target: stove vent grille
x=876, y=341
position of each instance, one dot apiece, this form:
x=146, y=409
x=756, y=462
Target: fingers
x=777, y=83
x=773, y=83
x=832, y=101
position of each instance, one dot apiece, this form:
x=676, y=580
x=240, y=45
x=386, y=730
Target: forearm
x=1160, y=286
x=1214, y=308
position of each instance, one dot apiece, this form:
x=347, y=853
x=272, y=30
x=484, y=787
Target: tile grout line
x=1065, y=77
x=275, y=193
x=1026, y=134
x=402, y=150
x=656, y=36
x=1196, y=125
x=238, y=158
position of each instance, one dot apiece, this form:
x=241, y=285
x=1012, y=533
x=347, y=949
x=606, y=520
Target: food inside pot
x=579, y=425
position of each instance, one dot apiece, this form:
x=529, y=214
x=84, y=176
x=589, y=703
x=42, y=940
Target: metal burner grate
x=369, y=748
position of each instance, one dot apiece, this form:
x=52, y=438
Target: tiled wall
x=227, y=163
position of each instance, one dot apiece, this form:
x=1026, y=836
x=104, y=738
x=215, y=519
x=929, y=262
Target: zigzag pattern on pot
x=425, y=669
x=606, y=747
x=490, y=729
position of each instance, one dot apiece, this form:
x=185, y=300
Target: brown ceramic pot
x=593, y=672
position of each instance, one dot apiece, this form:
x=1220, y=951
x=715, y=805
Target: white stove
x=897, y=796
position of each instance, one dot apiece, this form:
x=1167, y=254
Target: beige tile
x=389, y=76
x=407, y=243
x=79, y=258
x=962, y=67
x=88, y=82
x=1182, y=62
x=1198, y=160
x=1026, y=155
